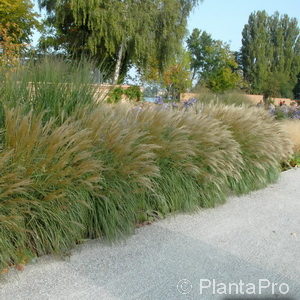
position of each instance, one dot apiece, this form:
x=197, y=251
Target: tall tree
x=212, y=62
x=122, y=32
x=176, y=78
x=18, y=19
x=297, y=88
x=200, y=45
x=271, y=48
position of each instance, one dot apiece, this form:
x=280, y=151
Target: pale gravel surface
x=253, y=237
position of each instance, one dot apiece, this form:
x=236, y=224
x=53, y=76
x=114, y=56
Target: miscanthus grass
x=262, y=141
x=196, y=154
x=129, y=163
x=48, y=175
x=292, y=128
x=73, y=170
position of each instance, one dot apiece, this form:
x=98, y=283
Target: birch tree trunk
x=118, y=65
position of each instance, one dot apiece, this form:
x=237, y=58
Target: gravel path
x=252, y=241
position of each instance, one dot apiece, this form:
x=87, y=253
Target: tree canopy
x=212, y=62
x=18, y=19
x=176, y=78
x=121, y=33
x=271, y=49
x=200, y=46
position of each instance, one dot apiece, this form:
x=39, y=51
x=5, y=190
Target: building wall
x=254, y=98
x=187, y=96
x=257, y=98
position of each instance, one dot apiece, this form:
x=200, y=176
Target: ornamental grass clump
x=236, y=98
x=72, y=169
x=54, y=87
x=218, y=156
x=48, y=176
x=195, y=156
x=13, y=192
x=292, y=128
x=129, y=166
x=176, y=186
x=263, y=144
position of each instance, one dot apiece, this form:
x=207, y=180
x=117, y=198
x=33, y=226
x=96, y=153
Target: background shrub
x=132, y=93
x=115, y=95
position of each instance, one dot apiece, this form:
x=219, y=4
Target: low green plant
x=115, y=95
x=292, y=163
x=132, y=93
x=295, y=160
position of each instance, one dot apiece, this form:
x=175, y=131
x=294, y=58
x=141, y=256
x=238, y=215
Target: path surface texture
x=249, y=245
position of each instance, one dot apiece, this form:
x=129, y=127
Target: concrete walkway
x=252, y=241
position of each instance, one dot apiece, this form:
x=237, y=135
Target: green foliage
x=295, y=160
x=99, y=170
x=271, y=52
x=18, y=18
x=280, y=114
x=223, y=79
x=177, y=77
x=296, y=89
x=10, y=49
x=132, y=93
x=277, y=85
x=200, y=46
x=212, y=62
x=127, y=31
x=52, y=86
x=115, y=95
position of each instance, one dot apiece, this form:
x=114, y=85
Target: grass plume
x=263, y=144
x=72, y=169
